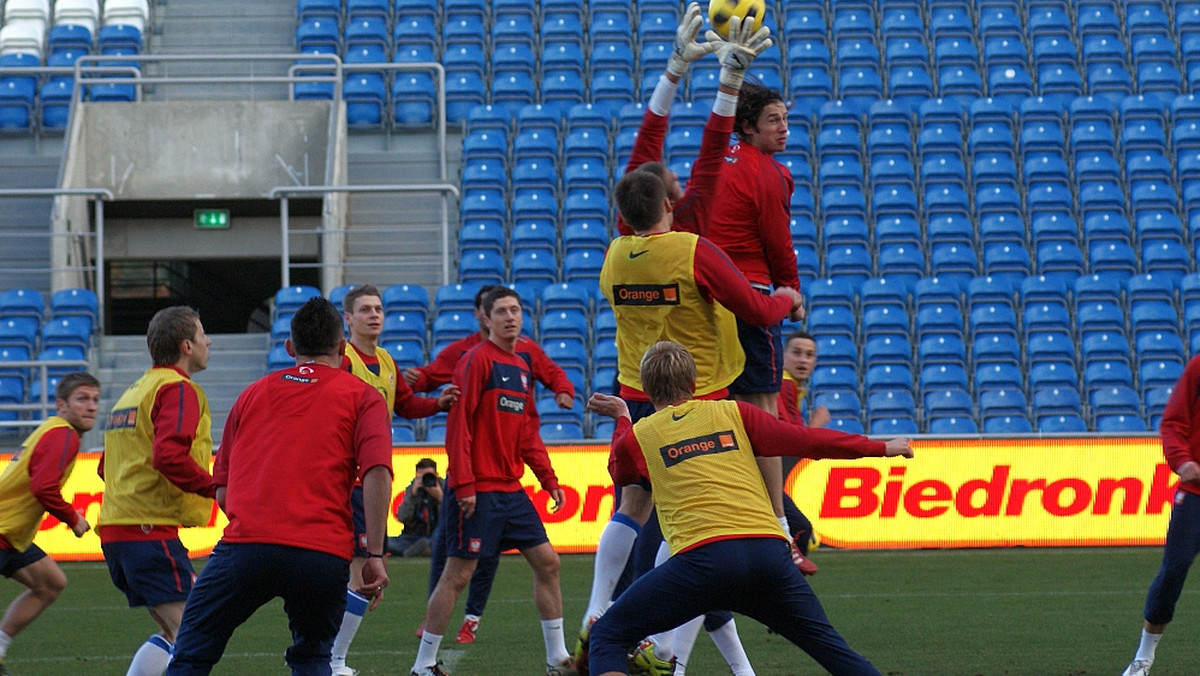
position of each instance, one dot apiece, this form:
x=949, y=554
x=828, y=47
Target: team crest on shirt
x=717, y=442
x=474, y=545
x=524, y=381
x=307, y=370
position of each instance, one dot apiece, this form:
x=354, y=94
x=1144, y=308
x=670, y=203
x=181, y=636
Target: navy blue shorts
x=239, y=579
x=752, y=576
x=501, y=521
x=763, y=346
x=359, y=517
x=11, y=560
x=151, y=572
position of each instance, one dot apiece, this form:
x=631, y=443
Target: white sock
x=471, y=618
x=664, y=644
x=1147, y=646
x=726, y=638
x=152, y=658
x=786, y=531
x=427, y=652
x=685, y=639
x=612, y=553
x=556, y=646
x=356, y=607
x=5, y=641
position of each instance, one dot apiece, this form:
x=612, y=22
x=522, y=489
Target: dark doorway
x=232, y=295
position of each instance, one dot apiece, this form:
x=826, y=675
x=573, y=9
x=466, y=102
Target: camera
x=429, y=480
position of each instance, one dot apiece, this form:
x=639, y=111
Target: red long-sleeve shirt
x=769, y=436
x=1180, y=426
x=486, y=433
x=176, y=414
x=692, y=210
x=788, y=402
x=56, y=449
x=441, y=370
x=751, y=220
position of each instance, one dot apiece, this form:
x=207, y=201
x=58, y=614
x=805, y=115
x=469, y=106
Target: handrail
x=46, y=405
x=282, y=192
x=100, y=195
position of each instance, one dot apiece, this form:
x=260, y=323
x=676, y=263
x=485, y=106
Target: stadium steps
x=26, y=215
x=411, y=252
x=223, y=27
x=234, y=362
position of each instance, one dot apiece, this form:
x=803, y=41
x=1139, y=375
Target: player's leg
x=759, y=385
x=455, y=578
x=799, y=526
x=312, y=587
x=770, y=589
x=44, y=581
x=1182, y=545
x=465, y=540
x=615, y=545
x=663, y=598
x=158, y=575
x=477, y=597
x=235, y=583
x=723, y=631
x=356, y=604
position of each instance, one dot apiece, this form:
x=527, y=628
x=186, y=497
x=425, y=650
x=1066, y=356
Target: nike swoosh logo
x=635, y=254
x=504, y=378
x=677, y=418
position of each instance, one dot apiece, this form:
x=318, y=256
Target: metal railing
x=98, y=195
x=45, y=405
x=282, y=194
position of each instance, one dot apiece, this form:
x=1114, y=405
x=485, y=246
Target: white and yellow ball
x=721, y=11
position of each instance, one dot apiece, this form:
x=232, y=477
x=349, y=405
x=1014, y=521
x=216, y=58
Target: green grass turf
x=1028, y=612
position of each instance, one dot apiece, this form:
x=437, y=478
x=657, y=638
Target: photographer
x=418, y=511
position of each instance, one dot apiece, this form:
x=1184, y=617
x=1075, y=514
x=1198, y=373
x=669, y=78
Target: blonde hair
x=668, y=373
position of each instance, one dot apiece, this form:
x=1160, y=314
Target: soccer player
x=294, y=444
x=676, y=286
x=799, y=360
x=751, y=223
x=363, y=308
x=689, y=210
x=157, y=449
x=439, y=372
x=485, y=510
x=30, y=486
x=727, y=549
x=1181, y=449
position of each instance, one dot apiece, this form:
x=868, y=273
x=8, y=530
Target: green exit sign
x=212, y=219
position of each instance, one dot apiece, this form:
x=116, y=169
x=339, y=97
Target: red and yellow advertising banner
x=1058, y=492
x=954, y=493
x=582, y=471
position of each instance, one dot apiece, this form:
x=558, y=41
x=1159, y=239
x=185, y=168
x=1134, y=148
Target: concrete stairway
x=235, y=361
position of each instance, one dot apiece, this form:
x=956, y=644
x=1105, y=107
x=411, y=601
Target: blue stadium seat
x=407, y=353
x=1061, y=424
x=403, y=325
x=998, y=376
x=890, y=378
x=450, y=326
x=936, y=377
x=19, y=332
x=458, y=297
x=535, y=267
x=69, y=331
x=1056, y=401
x=287, y=300
x=828, y=379
x=950, y=402
x=564, y=323
x=942, y=349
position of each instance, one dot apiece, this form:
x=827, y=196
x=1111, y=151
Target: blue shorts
x=239, y=579
x=501, y=521
x=1179, y=551
x=763, y=346
x=11, y=560
x=150, y=572
x=359, y=517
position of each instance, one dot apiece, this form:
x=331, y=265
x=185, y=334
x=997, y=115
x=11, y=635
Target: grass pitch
x=1027, y=612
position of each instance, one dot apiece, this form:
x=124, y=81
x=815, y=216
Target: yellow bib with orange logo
x=651, y=285
x=20, y=511
x=385, y=382
x=707, y=485
x=134, y=492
